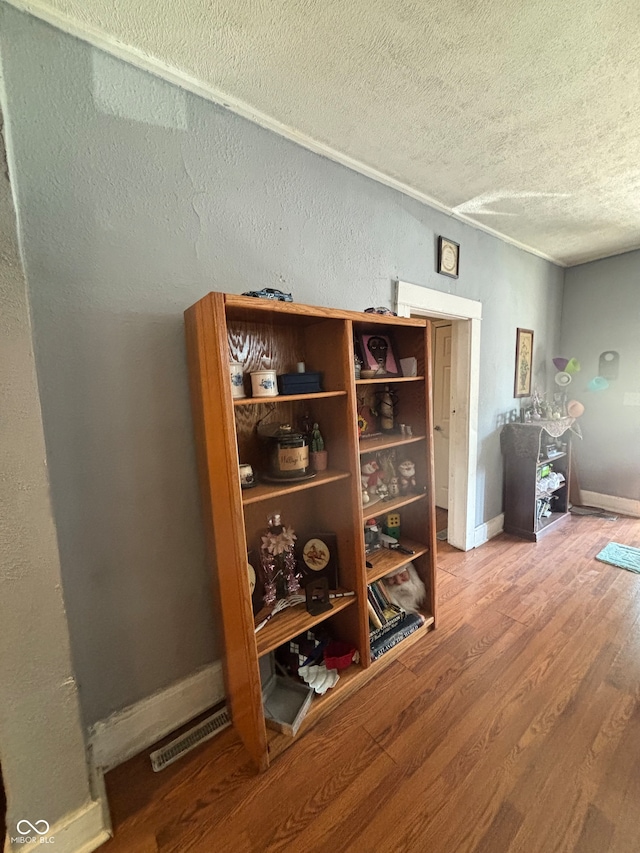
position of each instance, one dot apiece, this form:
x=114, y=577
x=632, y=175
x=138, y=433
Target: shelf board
x=540, y=495
x=386, y=561
x=371, y=510
x=266, y=491
x=293, y=621
x=286, y=398
x=551, y=459
x=381, y=442
x=255, y=310
x=389, y=380
x=545, y=524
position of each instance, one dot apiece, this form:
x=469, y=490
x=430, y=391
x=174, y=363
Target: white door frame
x=435, y=380
x=466, y=316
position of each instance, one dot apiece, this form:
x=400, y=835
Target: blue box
x=300, y=383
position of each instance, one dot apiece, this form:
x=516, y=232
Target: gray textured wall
x=136, y=199
x=602, y=312
x=41, y=734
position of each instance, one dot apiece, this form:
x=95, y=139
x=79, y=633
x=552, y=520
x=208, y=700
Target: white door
x=441, y=411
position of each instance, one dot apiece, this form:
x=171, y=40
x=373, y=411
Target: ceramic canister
x=237, y=383
x=264, y=384
x=247, y=477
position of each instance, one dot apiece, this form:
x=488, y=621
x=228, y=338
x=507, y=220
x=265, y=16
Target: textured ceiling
x=522, y=117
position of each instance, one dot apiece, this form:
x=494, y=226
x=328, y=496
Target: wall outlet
x=631, y=398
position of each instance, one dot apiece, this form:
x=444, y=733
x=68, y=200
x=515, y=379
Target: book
x=374, y=619
x=384, y=592
x=375, y=604
x=389, y=639
x=393, y=620
x=381, y=601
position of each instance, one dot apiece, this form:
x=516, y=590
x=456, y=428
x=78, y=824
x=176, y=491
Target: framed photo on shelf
x=524, y=363
x=376, y=351
x=318, y=558
x=448, y=257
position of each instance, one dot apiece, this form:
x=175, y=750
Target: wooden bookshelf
x=261, y=333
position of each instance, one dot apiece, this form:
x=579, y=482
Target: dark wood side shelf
x=524, y=450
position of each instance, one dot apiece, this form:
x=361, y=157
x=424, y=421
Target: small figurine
x=407, y=471
x=394, y=487
x=370, y=476
x=319, y=457
x=406, y=588
x=371, y=536
x=317, y=442
x=383, y=491
x=392, y=524
x=387, y=402
x=357, y=366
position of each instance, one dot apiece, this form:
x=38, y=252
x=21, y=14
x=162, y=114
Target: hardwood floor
x=513, y=727
x=442, y=518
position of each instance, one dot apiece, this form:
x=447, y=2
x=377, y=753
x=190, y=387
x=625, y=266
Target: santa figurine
x=371, y=477
x=406, y=588
x=407, y=472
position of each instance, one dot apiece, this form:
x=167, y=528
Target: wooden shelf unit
x=260, y=333
x=523, y=447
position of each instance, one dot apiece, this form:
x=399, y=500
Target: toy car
x=387, y=312
x=270, y=293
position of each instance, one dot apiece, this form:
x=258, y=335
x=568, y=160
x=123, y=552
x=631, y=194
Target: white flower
x=278, y=543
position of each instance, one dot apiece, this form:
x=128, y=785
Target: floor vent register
x=205, y=730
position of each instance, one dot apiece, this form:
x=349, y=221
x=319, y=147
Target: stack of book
x=389, y=624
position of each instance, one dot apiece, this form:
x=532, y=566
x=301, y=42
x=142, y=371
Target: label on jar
x=293, y=458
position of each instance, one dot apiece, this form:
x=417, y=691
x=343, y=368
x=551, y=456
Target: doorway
x=464, y=316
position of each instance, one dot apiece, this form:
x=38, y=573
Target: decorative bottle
x=277, y=561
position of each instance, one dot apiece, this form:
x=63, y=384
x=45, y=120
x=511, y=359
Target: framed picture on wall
x=524, y=363
x=448, y=257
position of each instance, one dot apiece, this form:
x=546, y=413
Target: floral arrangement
x=278, y=543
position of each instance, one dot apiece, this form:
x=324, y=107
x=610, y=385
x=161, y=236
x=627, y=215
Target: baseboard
x=488, y=530
x=611, y=503
x=79, y=832
x=128, y=732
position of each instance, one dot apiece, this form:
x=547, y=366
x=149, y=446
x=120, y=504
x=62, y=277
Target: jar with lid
x=288, y=451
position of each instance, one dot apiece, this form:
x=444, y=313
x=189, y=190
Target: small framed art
x=524, y=362
x=448, y=257
x=318, y=558
x=378, y=357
